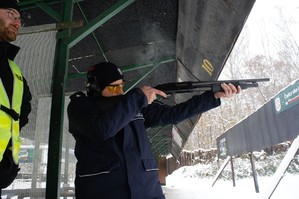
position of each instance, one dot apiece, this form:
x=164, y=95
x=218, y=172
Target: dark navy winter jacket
x=112, y=148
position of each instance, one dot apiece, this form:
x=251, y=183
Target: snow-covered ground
x=180, y=187
x=195, y=182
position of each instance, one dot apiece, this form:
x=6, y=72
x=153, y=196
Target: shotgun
x=214, y=86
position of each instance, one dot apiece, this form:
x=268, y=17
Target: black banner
x=273, y=123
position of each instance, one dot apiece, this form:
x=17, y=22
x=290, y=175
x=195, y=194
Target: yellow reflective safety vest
x=10, y=128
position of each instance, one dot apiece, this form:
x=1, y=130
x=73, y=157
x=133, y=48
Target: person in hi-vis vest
x=15, y=95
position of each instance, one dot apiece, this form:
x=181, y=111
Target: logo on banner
x=288, y=98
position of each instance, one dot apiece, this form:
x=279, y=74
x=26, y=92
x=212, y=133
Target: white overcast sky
x=266, y=17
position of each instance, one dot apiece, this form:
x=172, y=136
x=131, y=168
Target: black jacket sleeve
x=162, y=114
x=87, y=120
x=26, y=104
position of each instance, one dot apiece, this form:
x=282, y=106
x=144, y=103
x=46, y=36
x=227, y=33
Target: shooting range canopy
x=153, y=42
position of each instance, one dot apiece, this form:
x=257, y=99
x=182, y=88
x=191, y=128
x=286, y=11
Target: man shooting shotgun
x=214, y=86
x=112, y=145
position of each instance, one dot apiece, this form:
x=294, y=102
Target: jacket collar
x=8, y=50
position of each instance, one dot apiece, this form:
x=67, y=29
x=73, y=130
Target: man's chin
x=11, y=37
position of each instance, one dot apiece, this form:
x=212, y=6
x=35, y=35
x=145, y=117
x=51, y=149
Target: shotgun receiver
x=214, y=86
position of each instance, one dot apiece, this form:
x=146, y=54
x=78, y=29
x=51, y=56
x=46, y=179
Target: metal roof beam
x=43, y=5
x=47, y=9
x=29, y=4
x=98, y=21
x=127, y=68
x=93, y=34
x=150, y=70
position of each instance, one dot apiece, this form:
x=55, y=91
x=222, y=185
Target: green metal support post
x=57, y=106
x=64, y=42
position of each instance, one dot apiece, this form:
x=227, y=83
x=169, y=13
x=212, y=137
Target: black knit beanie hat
x=10, y=4
x=101, y=75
